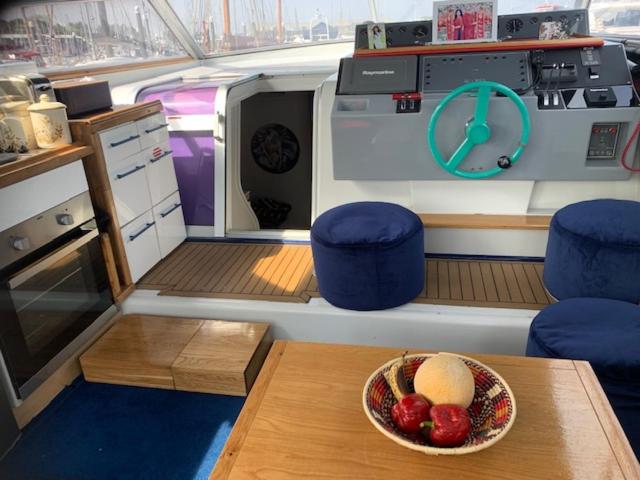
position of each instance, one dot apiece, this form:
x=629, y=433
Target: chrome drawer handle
x=133, y=170
x=155, y=159
x=175, y=207
x=122, y=142
x=146, y=227
x=157, y=127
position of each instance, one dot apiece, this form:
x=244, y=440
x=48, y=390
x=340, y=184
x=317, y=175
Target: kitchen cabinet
x=132, y=179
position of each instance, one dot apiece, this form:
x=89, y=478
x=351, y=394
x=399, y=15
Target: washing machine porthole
x=275, y=148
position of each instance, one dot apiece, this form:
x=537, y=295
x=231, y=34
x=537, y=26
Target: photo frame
x=377, y=36
x=465, y=21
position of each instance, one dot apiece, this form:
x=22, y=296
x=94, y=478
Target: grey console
x=581, y=104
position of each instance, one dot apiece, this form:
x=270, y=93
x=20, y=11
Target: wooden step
x=514, y=222
x=209, y=356
x=222, y=357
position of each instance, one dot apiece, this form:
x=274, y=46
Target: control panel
x=442, y=73
x=527, y=25
x=518, y=26
x=603, y=141
x=398, y=34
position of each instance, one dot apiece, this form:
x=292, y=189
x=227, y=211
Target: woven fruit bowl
x=492, y=411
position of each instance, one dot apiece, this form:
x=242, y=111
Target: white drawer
x=170, y=224
x=130, y=189
x=141, y=245
x=152, y=130
x=120, y=142
x=161, y=173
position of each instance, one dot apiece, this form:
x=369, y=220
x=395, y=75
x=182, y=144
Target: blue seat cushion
x=612, y=222
x=374, y=225
x=368, y=255
x=604, y=332
x=607, y=334
x=594, y=251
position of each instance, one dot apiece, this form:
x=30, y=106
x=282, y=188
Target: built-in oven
x=54, y=292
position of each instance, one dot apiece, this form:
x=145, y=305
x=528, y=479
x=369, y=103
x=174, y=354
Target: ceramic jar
x=50, y=123
x=16, y=132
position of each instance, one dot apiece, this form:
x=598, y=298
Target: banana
x=397, y=381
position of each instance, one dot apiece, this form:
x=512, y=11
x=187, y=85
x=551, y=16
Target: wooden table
x=304, y=420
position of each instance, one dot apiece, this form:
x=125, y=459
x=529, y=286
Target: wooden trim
x=115, y=116
x=36, y=164
x=515, y=222
x=234, y=444
x=64, y=376
x=134, y=65
x=610, y=424
x=505, y=46
x=124, y=293
x=110, y=263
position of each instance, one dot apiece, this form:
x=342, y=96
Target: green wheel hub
x=477, y=130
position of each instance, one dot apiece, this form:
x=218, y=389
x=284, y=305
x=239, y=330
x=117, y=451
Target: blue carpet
x=94, y=431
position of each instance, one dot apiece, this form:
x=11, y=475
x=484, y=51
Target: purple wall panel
x=179, y=98
x=193, y=158
x=193, y=151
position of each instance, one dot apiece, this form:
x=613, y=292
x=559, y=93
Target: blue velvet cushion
x=594, y=251
x=607, y=334
x=368, y=255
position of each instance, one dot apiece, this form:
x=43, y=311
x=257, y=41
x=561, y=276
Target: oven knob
x=21, y=243
x=64, y=219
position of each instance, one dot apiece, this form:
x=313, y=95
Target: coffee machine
x=27, y=87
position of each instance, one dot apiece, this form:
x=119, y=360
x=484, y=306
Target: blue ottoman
x=368, y=255
x=594, y=251
x=607, y=334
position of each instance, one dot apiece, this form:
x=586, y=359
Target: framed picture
x=377, y=36
x=465, y=21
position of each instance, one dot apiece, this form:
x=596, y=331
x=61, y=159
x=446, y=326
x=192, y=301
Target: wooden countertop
x=116, y=115
x=31, y=165
x=304, y=419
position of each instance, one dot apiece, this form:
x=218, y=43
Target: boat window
x=221, y=26
x=615, y=17
x=86, y=34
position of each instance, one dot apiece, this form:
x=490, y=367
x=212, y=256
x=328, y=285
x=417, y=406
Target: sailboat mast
x=373, y=10
x=226, y=25
x=279, y=24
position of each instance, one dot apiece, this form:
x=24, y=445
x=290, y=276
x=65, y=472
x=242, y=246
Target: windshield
x=93, y=33
x=220, y=26
x=84, y=34
x=615, y=17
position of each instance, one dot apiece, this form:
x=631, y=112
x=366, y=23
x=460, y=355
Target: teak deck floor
x=284, y=273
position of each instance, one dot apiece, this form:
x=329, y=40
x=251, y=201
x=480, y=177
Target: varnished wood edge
x=110, y=263
x=234, y=444
x=504, y=46
x=479, y=221
x=116, y=117
x=124, y=293
x=23, y=169
x=69, y=74
x=610, y=425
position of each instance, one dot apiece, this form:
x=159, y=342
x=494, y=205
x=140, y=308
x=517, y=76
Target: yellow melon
x=445, y=378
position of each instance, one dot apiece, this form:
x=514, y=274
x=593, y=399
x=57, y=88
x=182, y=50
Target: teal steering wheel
x=477, y=129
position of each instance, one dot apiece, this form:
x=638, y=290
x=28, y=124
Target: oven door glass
x=50, y=302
